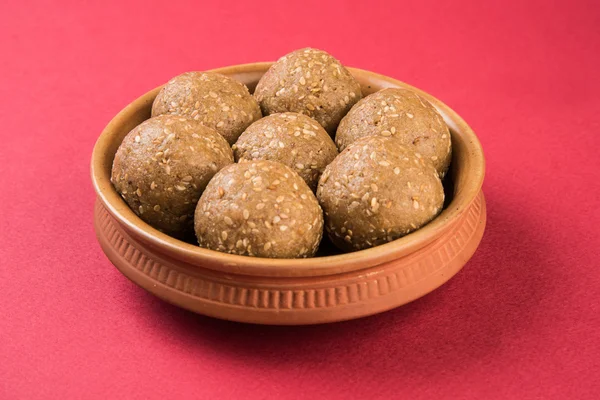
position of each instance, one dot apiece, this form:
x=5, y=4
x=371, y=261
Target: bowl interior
x=461, y=185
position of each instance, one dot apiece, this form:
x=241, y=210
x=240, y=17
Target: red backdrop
x=521, y=320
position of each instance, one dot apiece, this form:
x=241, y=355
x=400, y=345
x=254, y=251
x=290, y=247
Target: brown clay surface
x=297, y=291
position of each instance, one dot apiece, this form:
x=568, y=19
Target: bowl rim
x=317, y=266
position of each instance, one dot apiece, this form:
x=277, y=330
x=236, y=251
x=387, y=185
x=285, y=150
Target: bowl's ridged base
x=294, y=301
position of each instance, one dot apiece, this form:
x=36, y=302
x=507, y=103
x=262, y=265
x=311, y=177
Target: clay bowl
x=332, y=287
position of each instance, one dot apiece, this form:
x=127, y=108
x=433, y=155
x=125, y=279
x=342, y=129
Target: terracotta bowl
x=332, y=287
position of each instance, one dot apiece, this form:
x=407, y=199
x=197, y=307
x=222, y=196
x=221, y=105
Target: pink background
x=521, y=320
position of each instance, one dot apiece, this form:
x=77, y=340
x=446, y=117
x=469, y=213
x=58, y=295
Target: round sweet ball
x=163, y=165
x=402, y=114
x=292, y=139
x=310, y=82
x=376, y=191
x=260, y=208
x=215, y=100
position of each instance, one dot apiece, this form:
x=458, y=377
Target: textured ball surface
x=310, y=82
x=215, y=100
x=377, y=191
x=402, y=114
x=292, y=139
x=259, y=208
x=163, y=165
